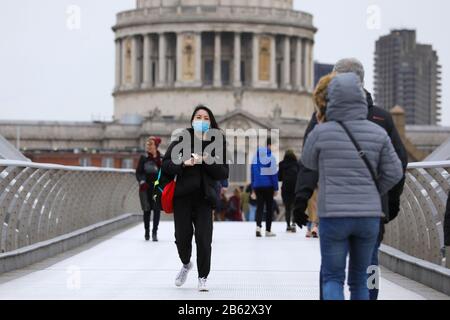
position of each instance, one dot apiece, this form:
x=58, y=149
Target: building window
x=108, y=162
x=128, y=163
x=154, y=66
x=85, y=162
x=128, y=77
x=209, y=71
x=225, y=68
x=279, y=74
x=243, y=79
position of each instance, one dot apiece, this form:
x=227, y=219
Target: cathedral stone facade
x=250, y=55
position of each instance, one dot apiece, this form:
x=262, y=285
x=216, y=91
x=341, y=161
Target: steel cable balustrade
x=39, y=202
x=418, y=230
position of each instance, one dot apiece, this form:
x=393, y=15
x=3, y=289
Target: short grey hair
x=350, y=65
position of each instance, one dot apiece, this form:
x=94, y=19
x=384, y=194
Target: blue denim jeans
x=252, y=213
x=340, y=237
x=373, y=293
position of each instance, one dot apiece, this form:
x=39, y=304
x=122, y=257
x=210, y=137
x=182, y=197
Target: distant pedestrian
x=222, y=203
x=287, y=174
x=252, y=203
x=234, y=212
x=245, y=203
x=146, y=174
x=264, y=176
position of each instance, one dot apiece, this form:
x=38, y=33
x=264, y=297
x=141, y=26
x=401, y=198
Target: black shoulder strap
x=361, y=153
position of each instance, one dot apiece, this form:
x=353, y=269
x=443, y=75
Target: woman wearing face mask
x=195, y=193
x=146, y=174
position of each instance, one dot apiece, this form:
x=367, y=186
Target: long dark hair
x=290, y=156
x=212, y=119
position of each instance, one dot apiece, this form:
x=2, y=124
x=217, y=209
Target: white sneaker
x=182, y=275
x=202, y=287
x=270, y=234
x=258, y=232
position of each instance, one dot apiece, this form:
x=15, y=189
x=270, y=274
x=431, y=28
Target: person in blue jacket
x=264, y=177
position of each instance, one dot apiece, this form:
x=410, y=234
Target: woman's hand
x=189, y=163
x=197, y=158
x=143, y=186
x=207, y=158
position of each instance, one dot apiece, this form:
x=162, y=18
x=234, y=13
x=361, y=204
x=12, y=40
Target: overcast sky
x=51, y=69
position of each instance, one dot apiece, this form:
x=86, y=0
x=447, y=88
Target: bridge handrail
x=60, y=167
x=428, y=164
x=40, y=201
x=418, y=229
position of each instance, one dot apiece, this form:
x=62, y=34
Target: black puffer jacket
x=147, y=169
x=201, y=179
x=307, y=179
x=287, y=174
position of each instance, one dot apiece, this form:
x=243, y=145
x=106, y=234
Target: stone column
x=273, y=62
x=162, y=75
x=217, y=60
x=311, y=69
x=124, y=61
x=286, y=83
x=118, y=64
x=147, y=65
x=307, y=66
x=237, y=60
x=134, y=62
x=298, y=64
x=171, y=71
x=255, y=60
x=198, y=59
x=179, y=60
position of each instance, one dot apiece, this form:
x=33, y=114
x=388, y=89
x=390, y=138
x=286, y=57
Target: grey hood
x=346, y=99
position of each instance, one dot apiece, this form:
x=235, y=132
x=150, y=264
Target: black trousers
x=193, y=215
x=156, y=218
x=264, y=198
x=289, y=206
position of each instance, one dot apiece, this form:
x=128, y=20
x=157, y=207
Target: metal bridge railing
x=39, y=202
x=418, y=230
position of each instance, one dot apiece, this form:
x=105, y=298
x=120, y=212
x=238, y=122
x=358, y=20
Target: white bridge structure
x=76, y=233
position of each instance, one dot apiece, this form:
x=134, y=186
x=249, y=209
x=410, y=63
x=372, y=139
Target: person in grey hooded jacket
x=349, y=204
